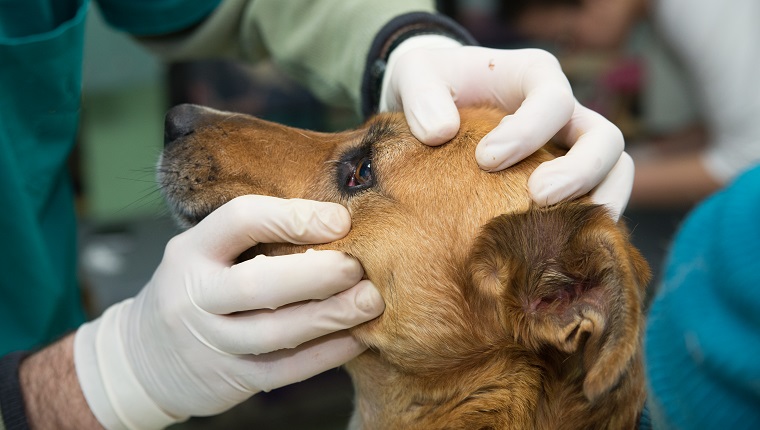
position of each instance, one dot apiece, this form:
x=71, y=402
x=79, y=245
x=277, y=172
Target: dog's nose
x=180, y=121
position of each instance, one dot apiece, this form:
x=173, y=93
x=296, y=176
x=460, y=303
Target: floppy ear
x=565, y=277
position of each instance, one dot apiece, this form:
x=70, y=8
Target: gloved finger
x=535, y=84
x=428, y=103
x=270, y=282
x=247, y=220
x=430, y=111
x=414, y=82
x=545, y=110
x=615, y=189
x=595, y=146
x=289, y=366
x=265, y=331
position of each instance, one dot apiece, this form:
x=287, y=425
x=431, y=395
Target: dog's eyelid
x=354, y=170
x=379, y=132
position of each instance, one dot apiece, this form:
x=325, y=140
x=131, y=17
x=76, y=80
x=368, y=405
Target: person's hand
x=206, y=333
x=429, y=77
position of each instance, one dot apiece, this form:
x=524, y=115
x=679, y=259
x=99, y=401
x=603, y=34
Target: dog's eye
x=355, y=171
x=362, y=176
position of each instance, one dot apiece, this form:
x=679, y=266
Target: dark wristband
x=390, y=36
x=11, y=397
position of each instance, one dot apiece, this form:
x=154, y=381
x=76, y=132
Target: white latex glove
x=205, y=333
x=429, y=76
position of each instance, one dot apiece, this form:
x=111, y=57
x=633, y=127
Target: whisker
x=308, y=137
x=147, y=181
x=232, y=115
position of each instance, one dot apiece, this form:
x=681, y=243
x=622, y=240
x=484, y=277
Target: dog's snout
x=180, y=121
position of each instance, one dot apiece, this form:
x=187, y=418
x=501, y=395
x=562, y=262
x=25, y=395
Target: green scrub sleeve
x=40, y=81
x=323, y=44
x=155, y=17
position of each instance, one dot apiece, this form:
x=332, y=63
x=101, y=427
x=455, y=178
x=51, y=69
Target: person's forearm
x=306, y=39
x=51, y=391
x=671, y=182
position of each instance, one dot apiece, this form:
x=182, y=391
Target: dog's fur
x=499, y=314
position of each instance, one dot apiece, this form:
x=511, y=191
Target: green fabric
x=153, y=17
x=324, y=44
x=40, y=78
x=33, y=17
x=41, y=44
x=321, y=43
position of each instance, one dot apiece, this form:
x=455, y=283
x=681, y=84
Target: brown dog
x=499, y=314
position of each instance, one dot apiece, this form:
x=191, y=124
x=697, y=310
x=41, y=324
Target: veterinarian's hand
x=206, y=333
x=428, y=77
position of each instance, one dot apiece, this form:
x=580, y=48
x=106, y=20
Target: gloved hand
x=429, y=76
x=205, y=334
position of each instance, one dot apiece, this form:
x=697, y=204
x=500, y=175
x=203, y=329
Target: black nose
x=180, y=121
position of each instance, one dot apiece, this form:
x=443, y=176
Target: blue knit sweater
x=702, y=342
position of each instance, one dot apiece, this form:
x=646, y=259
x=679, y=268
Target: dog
x=499, y=314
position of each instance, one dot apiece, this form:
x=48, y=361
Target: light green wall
x=121, y=134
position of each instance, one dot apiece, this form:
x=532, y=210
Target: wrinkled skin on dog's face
x=491, y=303
x=415, y=209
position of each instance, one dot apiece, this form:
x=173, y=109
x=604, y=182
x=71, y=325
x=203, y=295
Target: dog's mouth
x=188, y=217
x=186, y=213
x=179, y=191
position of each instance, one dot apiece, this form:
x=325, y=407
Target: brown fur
x=499, y=314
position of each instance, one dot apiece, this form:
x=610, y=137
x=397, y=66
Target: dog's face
x=465, y=262
x=415, y=209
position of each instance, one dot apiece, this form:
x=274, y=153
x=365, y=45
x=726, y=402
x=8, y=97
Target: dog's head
x=466, y=263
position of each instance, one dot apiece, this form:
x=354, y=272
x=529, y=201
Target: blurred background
x=635, y=82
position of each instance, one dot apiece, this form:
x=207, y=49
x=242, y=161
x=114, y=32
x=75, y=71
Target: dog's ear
x=565, y=278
